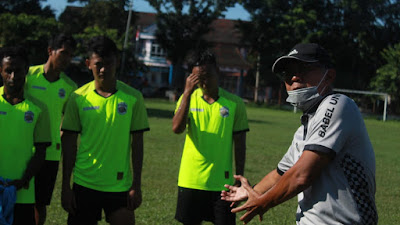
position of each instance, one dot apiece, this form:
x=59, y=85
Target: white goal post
x=364, y=93
x=368, y=93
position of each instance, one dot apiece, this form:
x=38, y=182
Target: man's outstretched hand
x=236, y=193
x=254, y=205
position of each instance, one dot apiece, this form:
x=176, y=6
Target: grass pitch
x=270, y=135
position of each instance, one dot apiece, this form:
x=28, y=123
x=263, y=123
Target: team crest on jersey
x=122, y=108
x=29, y=116
x=224, y=111
x=61, y=93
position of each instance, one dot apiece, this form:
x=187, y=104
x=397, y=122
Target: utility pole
x=128, y=24
x=257, y=79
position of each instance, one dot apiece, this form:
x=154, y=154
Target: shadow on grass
x=258, y=121
x=160, y=113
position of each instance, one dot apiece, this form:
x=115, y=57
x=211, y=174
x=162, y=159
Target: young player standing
x=47, y=83
x=111, y=118
x=215, y=119
x=22, y=125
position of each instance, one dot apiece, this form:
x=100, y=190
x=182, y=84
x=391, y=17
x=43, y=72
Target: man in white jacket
x=330, y=164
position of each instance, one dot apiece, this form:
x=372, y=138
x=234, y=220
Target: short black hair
x=200, y=58
x=102, y=46
x=14, y=52
x=57, y=41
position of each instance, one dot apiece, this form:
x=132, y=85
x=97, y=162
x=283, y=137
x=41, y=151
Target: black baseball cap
x=305, y=52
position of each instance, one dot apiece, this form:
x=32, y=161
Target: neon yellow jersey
x=54, y=96
x=207, y=154
x=103, y=158
x=21, y=126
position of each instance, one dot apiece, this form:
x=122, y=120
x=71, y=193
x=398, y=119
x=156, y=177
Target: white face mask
x=304, y=98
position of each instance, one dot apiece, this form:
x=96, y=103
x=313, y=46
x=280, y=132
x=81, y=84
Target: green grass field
x=270, y=134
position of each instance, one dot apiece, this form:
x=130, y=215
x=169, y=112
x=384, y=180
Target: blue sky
x=236, y=12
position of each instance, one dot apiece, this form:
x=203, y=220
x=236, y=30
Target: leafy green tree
x=100, y=17
x=105, y=14
x=93, y=31
x=274, y=28
x=26, y=23
x=387, y=77
x=30, y=7
x=354, y=31
x=30, y=31
x=90, y=32
x=181, y=26
x=359, y=34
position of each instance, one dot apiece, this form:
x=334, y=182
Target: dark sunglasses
x=298, y=69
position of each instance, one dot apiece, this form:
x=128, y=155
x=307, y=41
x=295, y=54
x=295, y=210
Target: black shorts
x=195, y=206
x=90, y=203
x=45, y=180
x=24, y=214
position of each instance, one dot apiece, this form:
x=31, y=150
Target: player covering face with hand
x=216, y=121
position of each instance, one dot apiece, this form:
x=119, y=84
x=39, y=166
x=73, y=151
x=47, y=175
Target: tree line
x=363, y=36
